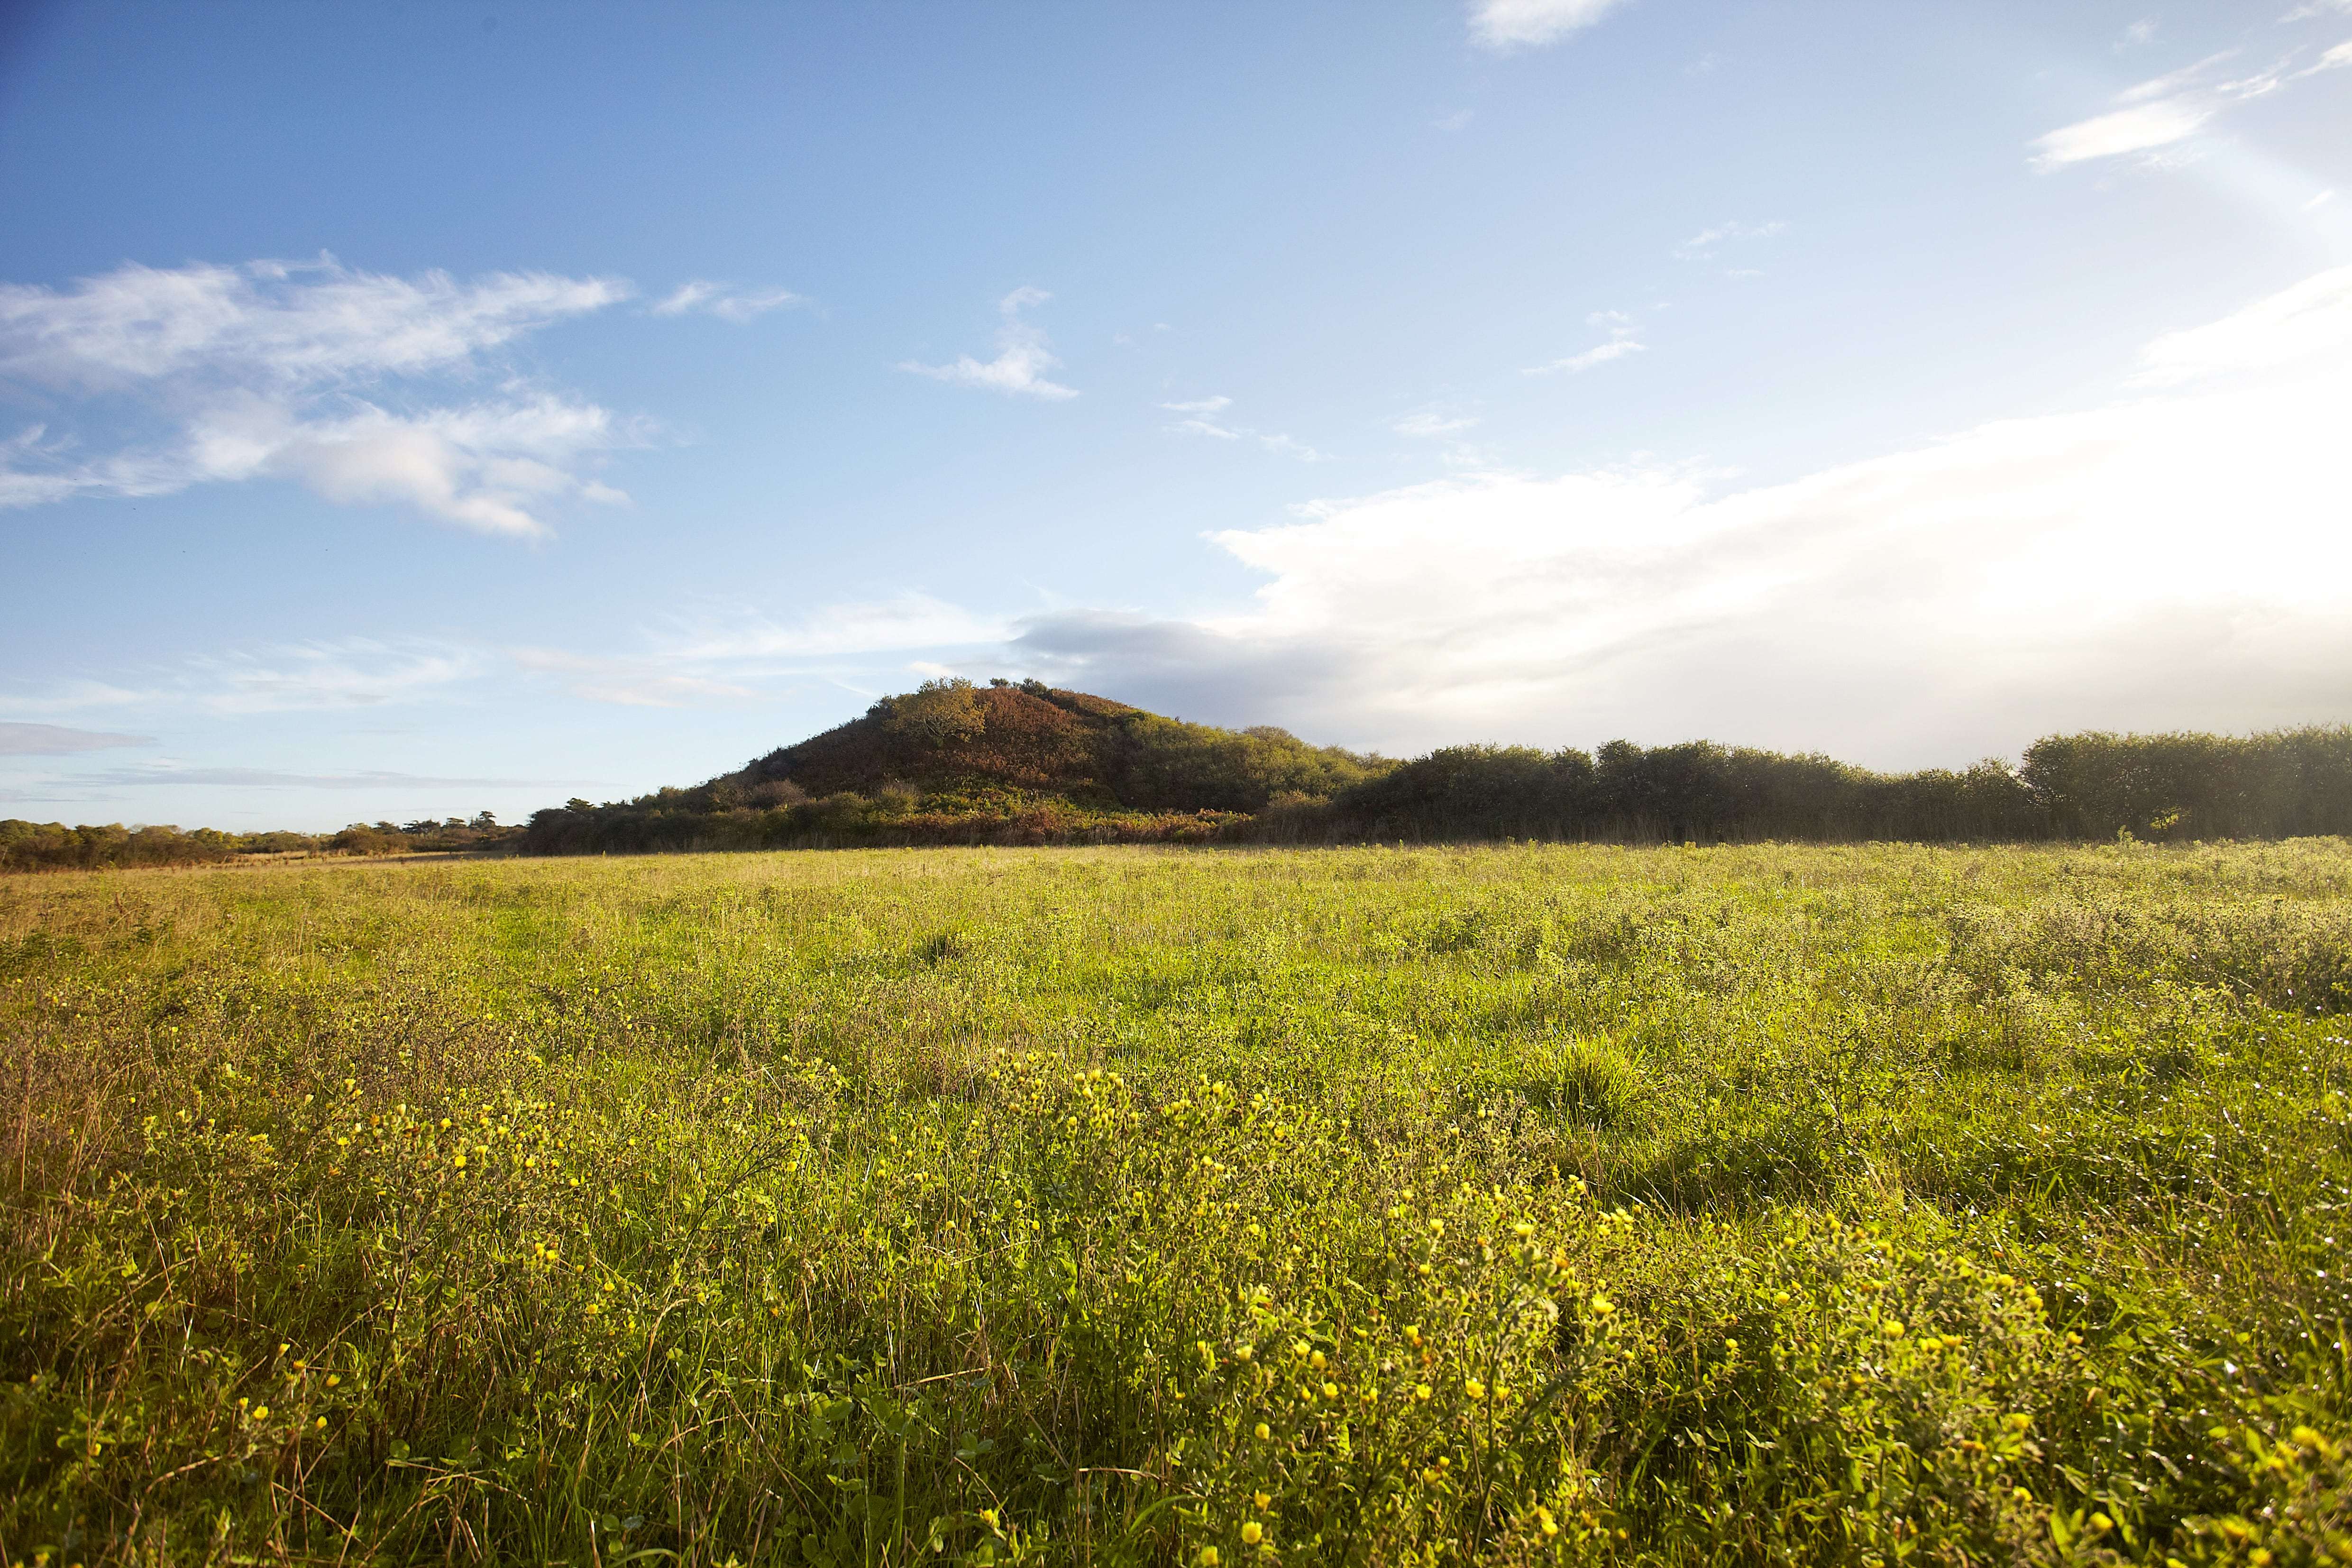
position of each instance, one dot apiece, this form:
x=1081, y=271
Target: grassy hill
x=960, y=763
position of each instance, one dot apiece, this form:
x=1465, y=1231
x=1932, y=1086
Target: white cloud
x=630, y=682
x=1202, y=421
x=286, y=323
x=1205, y=428
x=736, y=656
x=313, y=372
x=271, y=778
x=1518, y=23
x=56, y=741
x=348, y=672
x=1703, y=245
x=724, y=300
x=904, y=622
x=2167, y=110
x=2311, y=320
x=1432, y=421
x=72, y=697
x=2174, y=559
x=2134, y=130
x=727, y=659
x=2138, y=35
x=1022, y=357
x=1623, y=340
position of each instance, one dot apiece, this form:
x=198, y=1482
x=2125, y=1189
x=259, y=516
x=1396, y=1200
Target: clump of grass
x=1595, y=1083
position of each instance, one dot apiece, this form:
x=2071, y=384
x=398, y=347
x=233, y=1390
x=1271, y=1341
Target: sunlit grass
x=1517, y=1204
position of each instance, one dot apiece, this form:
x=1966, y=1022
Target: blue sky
x=411, y=409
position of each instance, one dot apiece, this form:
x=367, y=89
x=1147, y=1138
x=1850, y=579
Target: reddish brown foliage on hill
x=1012, y=737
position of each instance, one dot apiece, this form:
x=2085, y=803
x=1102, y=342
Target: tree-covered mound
x=956, y=762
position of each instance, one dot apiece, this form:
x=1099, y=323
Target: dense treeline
x=889, y=818
x=956, y=763
x=1697, y=790
x=53, y=847
x=2282, y=784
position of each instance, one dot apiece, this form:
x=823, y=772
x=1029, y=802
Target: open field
x=1515, y=1205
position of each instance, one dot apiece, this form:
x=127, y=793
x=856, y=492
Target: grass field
x=1513, y=1204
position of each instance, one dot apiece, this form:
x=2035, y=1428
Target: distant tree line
x=784, y=818
x=2097, y=786
x=53, y=847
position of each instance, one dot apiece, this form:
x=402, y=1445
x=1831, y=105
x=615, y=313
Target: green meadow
x=1510, y=1205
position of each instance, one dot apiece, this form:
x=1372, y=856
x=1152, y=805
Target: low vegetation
x=1007, y=764
x=52, y=846
x=1203, y=1207
x=958, y=763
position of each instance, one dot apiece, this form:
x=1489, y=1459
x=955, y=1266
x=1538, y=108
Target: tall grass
x=1754, y=1205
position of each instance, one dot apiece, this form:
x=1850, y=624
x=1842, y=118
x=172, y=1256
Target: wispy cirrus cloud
x=906, y=622
x=1623, y=339
x=1527, y=23
x=2164, y=110
x=729, y=657
x=1203, y=417
x=166, y=774
x=352, y=672
x=724, y=300
x=740, y=655
x=353, y=384
x=628, y=681
x=1022, y=358
x=1433, y=420
x=57, y=740
x=1702, y=246
x=280, y=677
x=1449, y=423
